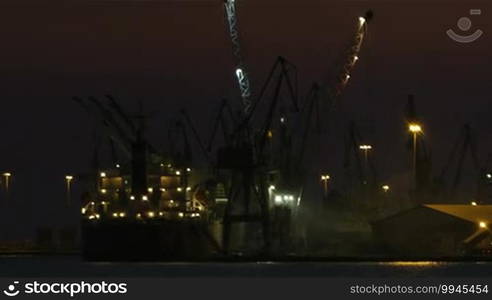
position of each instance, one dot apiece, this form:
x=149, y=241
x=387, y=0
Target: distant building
x=436, y=230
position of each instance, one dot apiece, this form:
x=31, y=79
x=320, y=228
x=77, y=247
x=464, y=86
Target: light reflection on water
x=412, y=263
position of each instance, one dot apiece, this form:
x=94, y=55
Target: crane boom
x=93, y=106
x=351, y=58
x=240, y=72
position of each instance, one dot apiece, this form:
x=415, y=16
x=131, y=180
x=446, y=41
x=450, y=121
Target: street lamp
x=385, y=188
x=362, y=20
x=69, y=179
x=415, y=129
x=6, y=177
x=366, y=149
x=324, y=179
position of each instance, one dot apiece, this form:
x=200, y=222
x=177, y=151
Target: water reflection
x=412, y=263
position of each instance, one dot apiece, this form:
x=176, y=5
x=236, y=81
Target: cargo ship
x=172, y=219
x=147, y=208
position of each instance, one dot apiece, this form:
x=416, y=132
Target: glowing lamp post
x=6, y=177
x=415, y=129
x=366, y=149
x=68, y=180
x=324, y=179
x=362, y=21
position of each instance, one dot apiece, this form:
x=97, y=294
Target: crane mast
x=240, y=72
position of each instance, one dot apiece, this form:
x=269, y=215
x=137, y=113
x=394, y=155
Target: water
x=73, y=266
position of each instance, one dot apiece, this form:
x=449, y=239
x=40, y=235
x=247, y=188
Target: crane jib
x=240, y=72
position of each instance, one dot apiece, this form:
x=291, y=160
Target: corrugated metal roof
x=476, y=214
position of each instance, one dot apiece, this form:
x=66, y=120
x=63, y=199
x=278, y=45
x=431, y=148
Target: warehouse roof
x=472, y=213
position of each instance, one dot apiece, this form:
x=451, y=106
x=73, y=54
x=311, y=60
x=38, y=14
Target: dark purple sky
x=172, y=54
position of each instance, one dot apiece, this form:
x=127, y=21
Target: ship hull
x=149, y=240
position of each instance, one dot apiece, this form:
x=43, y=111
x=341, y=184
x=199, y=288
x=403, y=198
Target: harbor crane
x=246, y=155
x=465, y=145
x=247, y=158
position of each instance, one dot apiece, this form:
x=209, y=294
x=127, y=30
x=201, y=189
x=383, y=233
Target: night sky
x=173, y=54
